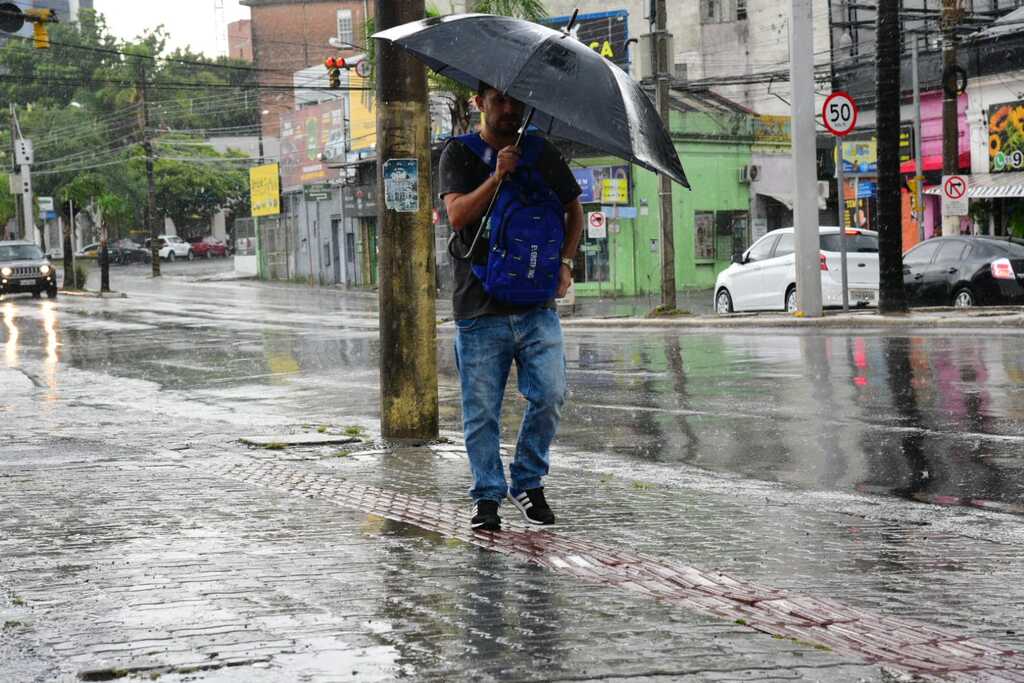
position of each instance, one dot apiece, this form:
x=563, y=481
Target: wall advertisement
x=265, y=190
x=1006, y=137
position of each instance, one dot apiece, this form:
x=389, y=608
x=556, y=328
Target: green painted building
x=621, y=255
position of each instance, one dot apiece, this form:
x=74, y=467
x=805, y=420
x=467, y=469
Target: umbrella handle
x=494, y=198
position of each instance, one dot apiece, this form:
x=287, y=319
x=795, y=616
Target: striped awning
x=990, y=185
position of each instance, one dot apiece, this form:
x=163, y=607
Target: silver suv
x=24, y=268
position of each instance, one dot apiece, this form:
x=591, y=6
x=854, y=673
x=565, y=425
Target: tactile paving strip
x=904, y=645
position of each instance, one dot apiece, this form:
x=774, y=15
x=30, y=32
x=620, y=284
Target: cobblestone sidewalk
x=254, y=565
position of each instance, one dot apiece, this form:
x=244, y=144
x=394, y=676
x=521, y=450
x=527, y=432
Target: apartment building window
x=345, y=26
x=711, y=11
x=719, y=11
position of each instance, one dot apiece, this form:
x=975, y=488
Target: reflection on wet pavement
x=936, y=418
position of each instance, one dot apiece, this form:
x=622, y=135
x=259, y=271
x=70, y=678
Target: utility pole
x=892, y=298
x=69, y=251
x=151, y=219
x=918, y=185
x=408, y=323
x=950, y=114
x=805, y=188
x=23, y=158
x=660, y=60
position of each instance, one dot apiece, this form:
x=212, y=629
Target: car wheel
x=963, y=298
x=791, y=304
x=51, y=293
x=37, y=293
x=723, y=302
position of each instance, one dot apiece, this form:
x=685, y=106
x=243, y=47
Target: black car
x=24, y=268
x=965, y=271
x=128, y=251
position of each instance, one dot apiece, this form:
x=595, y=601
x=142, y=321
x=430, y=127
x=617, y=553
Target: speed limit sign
x=840, y=113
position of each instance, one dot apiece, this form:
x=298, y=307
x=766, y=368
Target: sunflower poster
x=1006, y=137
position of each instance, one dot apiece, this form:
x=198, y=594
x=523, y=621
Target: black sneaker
x=485, y=516
x=533, y=506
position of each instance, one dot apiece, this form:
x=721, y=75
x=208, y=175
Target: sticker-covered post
x=840, y=117
x=407, y=281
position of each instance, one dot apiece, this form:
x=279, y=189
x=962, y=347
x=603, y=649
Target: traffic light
x=334, y=66
x=12, y=18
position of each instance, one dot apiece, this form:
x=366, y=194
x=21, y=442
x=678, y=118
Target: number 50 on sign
x=840, y=113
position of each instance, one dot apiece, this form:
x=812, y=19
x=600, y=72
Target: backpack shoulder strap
x=476, y=144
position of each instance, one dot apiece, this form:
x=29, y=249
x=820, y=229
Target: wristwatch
x=567, y=262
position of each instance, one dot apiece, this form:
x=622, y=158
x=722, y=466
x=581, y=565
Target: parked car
x=24, y=268
x=128, y=251
x=964, y=272
x=173, y=247
x=89, y=251
x=209, y=247
x=764, y=276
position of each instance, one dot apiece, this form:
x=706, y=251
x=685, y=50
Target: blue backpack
x=524, y=231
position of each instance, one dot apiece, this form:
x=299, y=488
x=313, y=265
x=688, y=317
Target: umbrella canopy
x=578, y=94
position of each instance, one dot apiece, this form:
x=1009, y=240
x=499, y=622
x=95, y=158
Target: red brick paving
x=827, y=624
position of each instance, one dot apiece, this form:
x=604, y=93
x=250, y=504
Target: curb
x=859, y=321
x=93, y=295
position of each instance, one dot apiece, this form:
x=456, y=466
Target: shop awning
x=933, y=162
x=990, y=185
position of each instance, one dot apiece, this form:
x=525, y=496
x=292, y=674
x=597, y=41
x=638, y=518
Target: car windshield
x=20, y=252
x=855, y=244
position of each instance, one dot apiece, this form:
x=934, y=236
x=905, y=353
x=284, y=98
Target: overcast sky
x=189, y=22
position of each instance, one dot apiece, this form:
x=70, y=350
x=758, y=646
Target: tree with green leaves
x=456, y=95
x=79, y=103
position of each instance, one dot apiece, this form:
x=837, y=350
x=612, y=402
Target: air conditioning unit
x=749, y=174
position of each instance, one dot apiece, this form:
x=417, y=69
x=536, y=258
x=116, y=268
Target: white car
x=173, y=247
x=763, y=278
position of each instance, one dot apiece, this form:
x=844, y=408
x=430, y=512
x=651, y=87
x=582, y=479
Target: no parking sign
x=597, y=225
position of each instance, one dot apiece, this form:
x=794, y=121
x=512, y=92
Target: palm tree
x=456, y=95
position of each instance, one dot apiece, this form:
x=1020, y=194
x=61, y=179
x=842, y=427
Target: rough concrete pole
x=891, y=297
x=950, y=114
x=408, y=325
x=662, y=70
x=805, y=178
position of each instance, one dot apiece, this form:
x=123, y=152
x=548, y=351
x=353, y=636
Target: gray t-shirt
x=461, y=171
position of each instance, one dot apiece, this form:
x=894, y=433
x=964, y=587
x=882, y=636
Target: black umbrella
x=577, y=94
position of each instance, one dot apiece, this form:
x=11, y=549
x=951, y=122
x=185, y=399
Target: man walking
x=492, y=333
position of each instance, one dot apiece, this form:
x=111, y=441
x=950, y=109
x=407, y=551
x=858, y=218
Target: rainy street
x=874, y=472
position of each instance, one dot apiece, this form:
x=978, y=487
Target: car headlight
x=44, y=269
x=6, y=272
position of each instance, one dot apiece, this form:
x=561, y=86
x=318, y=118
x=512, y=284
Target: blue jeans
x=485, y=349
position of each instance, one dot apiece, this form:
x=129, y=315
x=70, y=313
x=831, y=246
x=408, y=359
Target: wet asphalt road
x=806, y=461
x=936, y=417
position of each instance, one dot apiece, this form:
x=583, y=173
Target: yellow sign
x=362, y=118
x=614, y=191
x=265, y=190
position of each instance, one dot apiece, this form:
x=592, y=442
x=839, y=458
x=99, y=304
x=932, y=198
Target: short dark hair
x=482, y=88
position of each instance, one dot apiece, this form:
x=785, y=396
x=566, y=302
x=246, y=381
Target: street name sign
x=954, y=195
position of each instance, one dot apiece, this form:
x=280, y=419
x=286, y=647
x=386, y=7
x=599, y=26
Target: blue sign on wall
x=585, y=179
